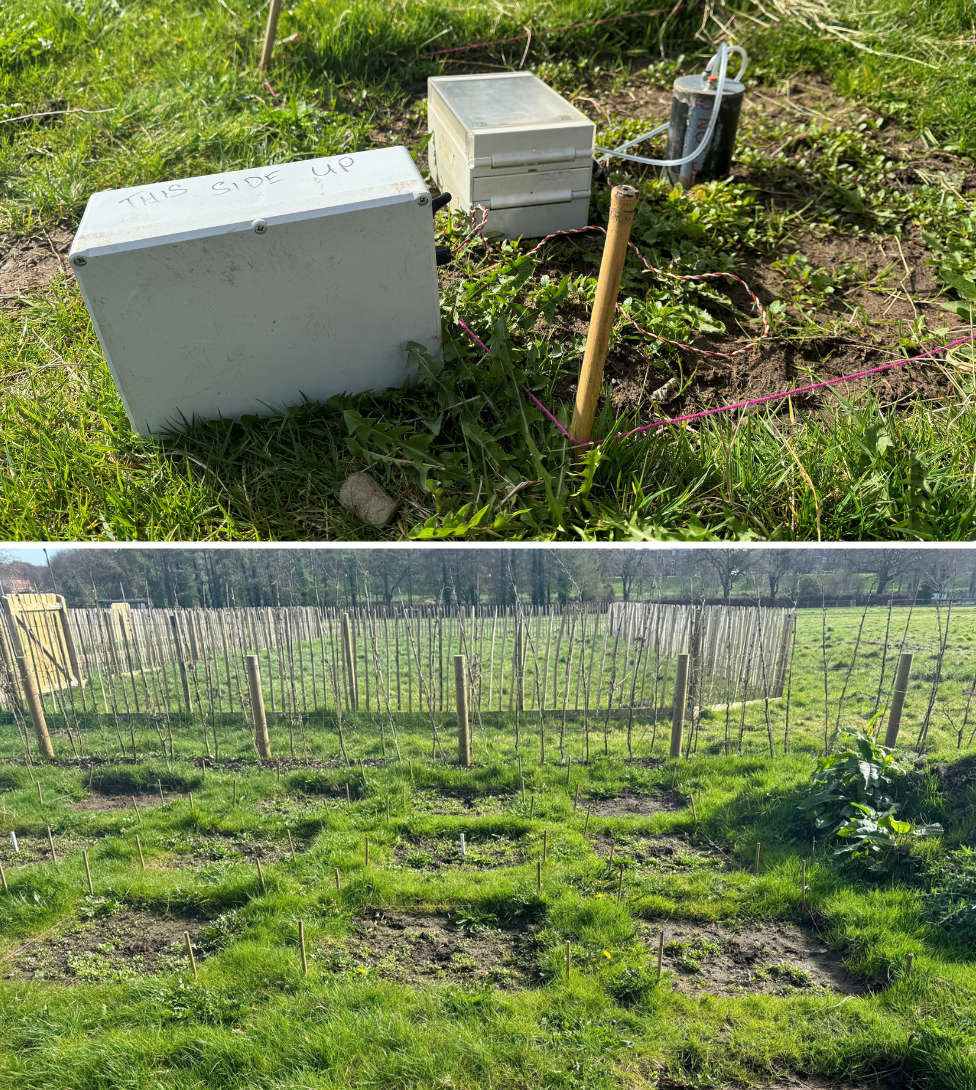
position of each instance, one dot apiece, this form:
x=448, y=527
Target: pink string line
x=554, y=30
x=271, y=89
x=753, y=401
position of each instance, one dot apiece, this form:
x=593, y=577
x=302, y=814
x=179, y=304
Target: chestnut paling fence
x=101, y=672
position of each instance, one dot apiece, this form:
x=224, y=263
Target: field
x=600, y=693
x=429, y=966
x=849, y=212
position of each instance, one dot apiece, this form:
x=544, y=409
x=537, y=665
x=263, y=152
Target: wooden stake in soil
x=142, y=860
x=623, y=205
x=576, y=797
x=758, y=848
x=160, y=786
x=538, y=875
x=908, y=963
x=569, y=959
x=532, y=807
x=660, y=955
x=694, y=809
x=257, y=707
x=40, y=796
x=348, y=798
x=898, y=699
x=50, y=840
x=3, y=880
x=35, y=707
x=135, y=806
x=338, y=883
x=235, y=790
x=264, y=888
x=189, y=950
x=91, y=888
x=587, y=823
x=678, y=707
x=366, y=857
x=301, y=944
x=271, y=32
x=545, y=845
x=294, y=858
x=620, y=885
x=461, y=699
x=522, y=786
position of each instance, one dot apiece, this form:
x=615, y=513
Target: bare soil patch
x=629, y=804
x=665, y=854
x=200, y=851
x=107, y=948
x=770, y=958
x=881, y=1082
x=421, y=948
x=481, y=853
x=146, y=800
x=36, y=849
x=30, y=264
x=432, y=802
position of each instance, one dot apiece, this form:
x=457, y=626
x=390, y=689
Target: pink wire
x=554, y=30
x=740, y=404
x=750, y=403
x=271, y=89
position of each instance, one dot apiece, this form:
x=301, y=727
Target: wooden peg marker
x=270, y=33
x=623, y=205
x=301, y=943
x=189, y=950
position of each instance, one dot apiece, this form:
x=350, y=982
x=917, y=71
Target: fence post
x=350, y=658
x=680, y=699
x=35, y=707
x=898, y=699
x=461, y=695
x=257, y=706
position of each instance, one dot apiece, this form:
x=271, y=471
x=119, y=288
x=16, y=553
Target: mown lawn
x=428, y=968
x=849, y=212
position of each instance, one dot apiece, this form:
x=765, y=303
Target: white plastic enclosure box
x=247, y=291
x=510, y=143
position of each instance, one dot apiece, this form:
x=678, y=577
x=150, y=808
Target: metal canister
x=692, y=103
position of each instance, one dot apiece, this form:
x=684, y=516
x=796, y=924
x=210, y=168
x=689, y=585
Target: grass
x=251, y=1016
x=880, y=160
x=843, y=671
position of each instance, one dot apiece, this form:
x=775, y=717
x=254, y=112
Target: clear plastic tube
x=721, y=60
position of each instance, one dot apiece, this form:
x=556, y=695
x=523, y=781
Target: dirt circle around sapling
x=630, y=804
x=481, y=852
x=664, y=853
x=111, y=946
x=424, y=948
x=731, y=959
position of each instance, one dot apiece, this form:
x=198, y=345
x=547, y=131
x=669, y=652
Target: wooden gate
x=37, y=629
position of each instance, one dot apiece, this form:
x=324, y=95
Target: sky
x=31, y=556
